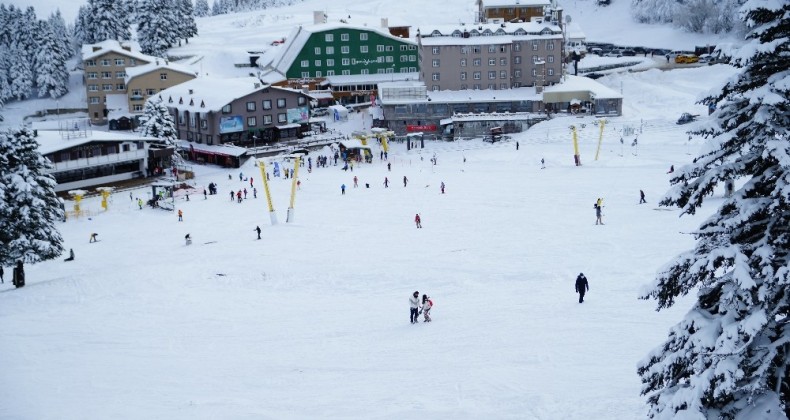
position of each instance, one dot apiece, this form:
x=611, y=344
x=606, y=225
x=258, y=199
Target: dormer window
x=180, y=101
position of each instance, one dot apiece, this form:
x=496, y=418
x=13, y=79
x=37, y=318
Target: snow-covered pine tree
x=5, y=85
x=20, y=72
x=728, y=358
x=109, y=19
x=155, y=30
x=157, y=122
x=201, y=8
x=5, y=31
x=53, y=76
x=29, y=208
x=82, y=25
x=185, y=18
x=61, y=34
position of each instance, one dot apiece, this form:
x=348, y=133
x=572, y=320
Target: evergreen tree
x=155, y=31
x=82, y=25
x=728, y=358
x=109, y=19
x=216, y=8
x=5, y=84
x=61, y=34
x=157, y=122
x=29, y=207
x=185, y=20
x=50, y=60
x=20, y=73
x=201, y=8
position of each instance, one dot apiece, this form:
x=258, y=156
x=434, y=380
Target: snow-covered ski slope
x=312, y=320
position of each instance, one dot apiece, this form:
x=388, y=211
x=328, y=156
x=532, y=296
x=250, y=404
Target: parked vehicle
x=686, y=118
x=613, y=53
x=597, y=51
x=628, y=53
x=686, y=59
x=594, y=75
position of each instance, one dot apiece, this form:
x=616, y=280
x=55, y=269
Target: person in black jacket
x=582, y=286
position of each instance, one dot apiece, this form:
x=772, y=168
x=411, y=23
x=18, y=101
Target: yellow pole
x=601, y=123
x=104, y=195
x=272, y=214
x=384, y=144
x=290, y=217
x=77, y=200
x=576, y=157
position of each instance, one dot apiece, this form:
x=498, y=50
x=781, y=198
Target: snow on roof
x=297, y=39
x=205, y=94
x=496, y=116
x=117, y=105
x=578, y=83
x=355, y=79
x=287, y=126
x=574, y=31
x=488, y=33
x=390, y=94
x=353, y=144
x=157, y=64
x=272, y=77
x=113, y=46
x=53, y=141
x=514, y=3
x=321, y=94
x=219, y=149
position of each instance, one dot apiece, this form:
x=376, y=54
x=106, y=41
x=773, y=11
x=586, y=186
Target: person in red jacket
x=418, y=221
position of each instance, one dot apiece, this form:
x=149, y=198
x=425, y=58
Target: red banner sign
x=426, y=127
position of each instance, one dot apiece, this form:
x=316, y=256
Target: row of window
x=306, y=74
x=252, y=121
x=92, y=75
x=492, y=75
x=108, y=62
x=267, y=104
x=477, y=49
x=106, y=87
x=493, y=61
x=363, y=36
x=353, y=61
x=491, y=86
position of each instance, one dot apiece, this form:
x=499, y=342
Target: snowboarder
x=71, y=255
x=418, y=221
x=343, y=189
x=582, y=286
x=180, y=215
x=414, y=303
x=93, y=238
x=258, y=229
x=427, y=304
x=405, y=180
x=642, y=197
x=442, y=187
x=355, y=181
x=671, y=169
x=598, y=220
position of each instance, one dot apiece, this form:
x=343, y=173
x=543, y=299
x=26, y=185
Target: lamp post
x=255, y=144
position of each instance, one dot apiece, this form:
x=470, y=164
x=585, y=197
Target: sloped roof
x=113, y=46
x=157, y=64
x=583, y=84
x=54, y=141
x=515, y=3
x=206, y=94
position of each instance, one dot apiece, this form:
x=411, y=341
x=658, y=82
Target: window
x=404, y=47
x=150, y=92
x=329, y=37
x=463, y=62
x=535, y=59
x=119, y=62
x=534, y=72
x=550, y=59
x=346, y=72
x=267, y=104
x=330, y=62
x=209, y=139
x=120, y=86
x=517, y=60
x=492, y=61
x=435, y=63
x=106, y=87
x=137, y=93
x=204, y=124
x=132, y=62
x=301, y=100
x=363, y=36
x=106, y=75
x=226, y=109
x=551, y=72
x=464, y=50
x=435, y=76
x=317, y=51
x=137, y=108
x=517, y=73
x=252, y=121
x=550, y=45
x=93, y=88
x=92, y=75
x=94, y=100
x=503, y=61
x=492, y=48
x=162, y=76
x=516, y=85
x=344, y=49
x=90, y=63
x=280, y=102
x=305, y=63
x=379, y=48
x=318, y=74
x=317, y=63
x=516, y=47
x=535, y=45
x=476, y=49
x=476, y=87
x=330, y=50
x=464, y=87
x=330, y=72
x=435, y=88
x=492, y=86
x=345, y=62
x=251, y=106
x=281, y=118
x=344, y=37
x=364, y=71
x=412, y=58
x=476, y=62
x=390, y=59
x=476, y=75
x=389, y=48
x=192, y=120
x=491, y=75
x=503, y=85
x=120, y=74
x=503, y=48
x=105, y=62
x=435, y=50
x=503, y=74
x=363, y=49
x=267, y=119
x=463, y=75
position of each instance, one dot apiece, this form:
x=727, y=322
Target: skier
x=238, y=196
x=417, y=221
x=180, y=215
x=254, y=193
x=231, y=195
x=298, y=184
x=241, y=176
x=245, y=193
x=140, y=203
x=205, y=195
x=343, y=189
x=389, y=167
x=642, y=197
x=355, y=181
x=414, y=303
x=258, y=229
x=427, y=304
x=71, y=255
x=582, y=286
x=442, y=187
x=130, y=196
x=405, y=180
x=188, y=239
x=93, y=238
x=542, y=163
x=598, y=220
x=671, y=169
x=386, y=182
x=516, y=146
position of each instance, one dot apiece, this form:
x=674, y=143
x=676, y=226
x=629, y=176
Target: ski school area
x=312, y=319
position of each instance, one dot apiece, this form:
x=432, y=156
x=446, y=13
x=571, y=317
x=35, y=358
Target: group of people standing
x=418, y=307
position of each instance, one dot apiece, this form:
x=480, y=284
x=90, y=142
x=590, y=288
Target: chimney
x=191, y=91
x=319, y=17
x=385, y=23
